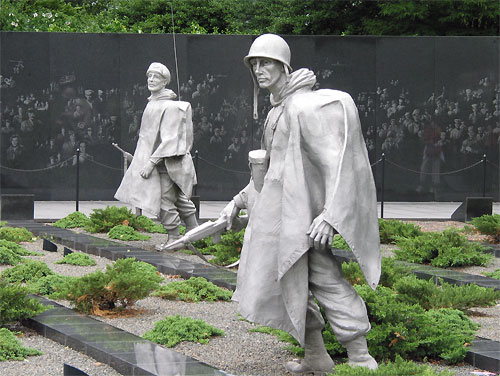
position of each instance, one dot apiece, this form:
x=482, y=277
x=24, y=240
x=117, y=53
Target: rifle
x=213, y=229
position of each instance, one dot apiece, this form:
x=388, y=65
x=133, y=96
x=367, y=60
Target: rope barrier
x=434, y=173
x=376, y=163
x=223, y=168
x=59, y=164
x=491, y=163
x=103, y=165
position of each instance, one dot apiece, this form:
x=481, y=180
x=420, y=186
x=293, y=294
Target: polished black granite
x=126, y=352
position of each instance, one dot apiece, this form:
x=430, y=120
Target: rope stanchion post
x=196, y=159
x=77, y=179
x=484, y=175
x=382, y=187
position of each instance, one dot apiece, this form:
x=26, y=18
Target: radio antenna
x=175, y=51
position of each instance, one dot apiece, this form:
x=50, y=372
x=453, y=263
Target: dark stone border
x=484, y=353
x=125, y=352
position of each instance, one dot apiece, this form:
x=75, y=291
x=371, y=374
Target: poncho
x=166, y=132
x=318, y=164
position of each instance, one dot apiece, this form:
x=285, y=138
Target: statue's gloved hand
x=147, y=170
x=320, y=233
x=230, y=212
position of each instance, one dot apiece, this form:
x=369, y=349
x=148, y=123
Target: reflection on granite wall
x=431, y=105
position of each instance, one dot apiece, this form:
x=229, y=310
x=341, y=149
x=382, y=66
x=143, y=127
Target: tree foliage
x=298, y=17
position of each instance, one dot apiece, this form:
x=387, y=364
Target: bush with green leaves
x=8, y=257
x=340, y=243
x=16, y=234
x=26, y=271
x=399, y=367
x=409, y=330
x=51, y=286
x=15, y=304
x=16, y=248
x=228, y=250
x=79, y=259
x=495, y=274
x=441, y=249
x=127, y=233
x=73, y=220
x=103, y=220
x=143, y=223
x=488, y=225
x=391, y=229
x=120, y=286
x=195, y=289
x=12, y=349
x=175, y=329
x=428, y=295
x=391, y=272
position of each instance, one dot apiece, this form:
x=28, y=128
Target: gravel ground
x=238, y=352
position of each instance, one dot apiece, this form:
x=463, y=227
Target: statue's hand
x=147, y=170
x=230, y=212
x=320, y=233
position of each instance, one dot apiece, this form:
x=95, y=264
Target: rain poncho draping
x=318, y=165
x=166, y=132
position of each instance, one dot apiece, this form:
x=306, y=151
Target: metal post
x=196, y=159
x=484, y=175
x=382, y=187
x=77, y=178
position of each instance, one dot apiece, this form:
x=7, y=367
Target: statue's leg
x=344, y=308
x=316, y=359
x=187, y=210
x=169, y=215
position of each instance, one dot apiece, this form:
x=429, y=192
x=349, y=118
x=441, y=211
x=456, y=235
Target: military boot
x=316, y=359
x=357, y=353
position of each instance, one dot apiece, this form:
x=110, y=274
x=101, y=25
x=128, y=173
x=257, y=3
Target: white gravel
x=238, y=352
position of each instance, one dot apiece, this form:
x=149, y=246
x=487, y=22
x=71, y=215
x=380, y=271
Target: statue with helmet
x=312, y=179
x=161, y=174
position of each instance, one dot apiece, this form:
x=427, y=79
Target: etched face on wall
x=268, y=72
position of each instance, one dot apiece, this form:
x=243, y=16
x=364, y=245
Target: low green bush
x=340, y=243
x=15, y=304
x=441, y=249
x=175, y=329
x=143, y=223
x=391, y=272
x=12, y=349
x=495, y=274
x=428, y=295
x=16, y=234
x=26, y=271
x=121, y=285
x=391, y=229
x=195, y=289
x=228, y=250
x=122, y=232
x=73, y=220
x=50, y=285
x=283, y=336
x=399, y=367
x=488, y=225
x=8, y=257
x=16, y=248
x=103, y=220
x=79, y=259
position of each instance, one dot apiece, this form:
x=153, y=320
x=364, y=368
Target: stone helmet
x=160, y=69
x=271, y=46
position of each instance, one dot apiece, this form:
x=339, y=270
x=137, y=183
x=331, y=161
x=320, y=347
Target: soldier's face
x=156, y=82
x=268, y=72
